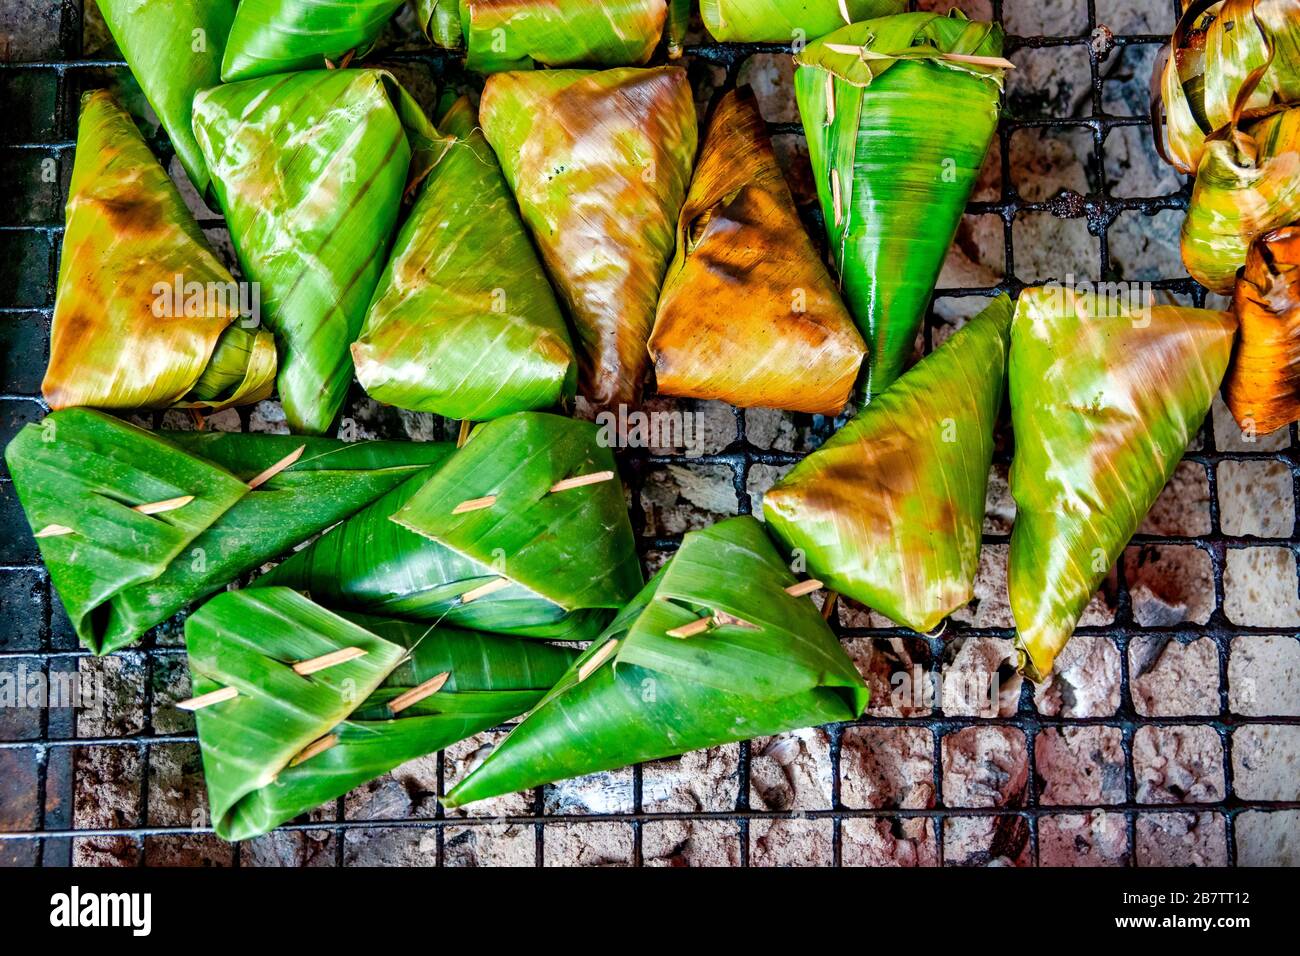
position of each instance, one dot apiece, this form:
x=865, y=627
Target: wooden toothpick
x=417, y=694
x=474, y=504
x=595, y=660
x=278, y=467
x=804, y=587
x=210, y=698
x=581, y=481
x=836, y=195
x=830, y=98
x=463, y=436
x=325, y=661
x=697, y=626
x=491, y=587
x=161, y=507
x=53, y=531
x=312, y=749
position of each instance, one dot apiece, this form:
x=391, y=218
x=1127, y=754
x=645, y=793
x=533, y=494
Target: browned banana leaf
x=1218, y=48
x=280, y=36
x=599, y=163
x=748, y=313
x=1248, y=184
x=146, y=316
x=1105, y=397
x=889, y=511
x=1263, y=384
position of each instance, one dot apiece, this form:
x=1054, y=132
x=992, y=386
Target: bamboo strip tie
x=417, y=694
x=312, y=749
x=483, y=590
x=149, y=508
x=326, y=661
x=207, y=700
x=278, y=467
x=589, y=666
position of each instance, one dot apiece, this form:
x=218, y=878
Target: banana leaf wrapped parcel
x=1262, y=388
x=146, y=316
x=501, y=35
x=786, y=21
x=310, y=169
x=748, y=313
x=282, y=36
x=174, y=50
x=1105, y=398
x=890, y=509
x=899, y=113
x=1221, y=51
x=134, y=525
x=1248, y=184
x=278, y=740
x=599, y=163
x=464, y=322
x=712, y=650
x=523, y=531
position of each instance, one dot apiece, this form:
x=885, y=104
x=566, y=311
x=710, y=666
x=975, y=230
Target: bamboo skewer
x=325, y=661
x=278, y=467
x=312, y=749
x=804, y=587
x=491, y=587
x=863, y=53
x=207, y=700
x=417, y=694
x=720, y=618
x=53, y=531
x=474, y=504
x=697, y=626
x=149, y=508
x=463, y=435
x=589, y=666
x=564, y=484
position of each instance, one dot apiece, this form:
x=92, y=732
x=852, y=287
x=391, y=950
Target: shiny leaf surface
x=280, y=36
x=782, y=21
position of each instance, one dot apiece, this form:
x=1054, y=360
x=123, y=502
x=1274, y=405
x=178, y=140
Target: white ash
x=976, y=258
x=778, y=430
x=876, y=841
x=999, y=506
x=1050, y=249
x=1255, y=498
x=891, y=667
x=1178, y=765
x=1073, y=839
x=390, y=846
x=268, y=417
x=512, y=845
x=1045, y=17
x=887, y=767
x=699, y=781
x=791, y=842
x=1268, y=838
x=1080, y=766
x=607, y=792
x=198, y=849
x=986, y=841
x=1260, y=587
x=985, y=767
x=1181, y=839
x=588, y=844
x=771, y=76
x=1133, y=170
x=1264, y=676
x=461, y=758
x=296, y=848
x=762, y=478
x=1146, y=248
x=120, y=704
x=409, y=790
x=678, y=499
x=1183, y=507
x=1266, y=762
x=1085, y=682
x=1169, y=584
x=1046, y=161
x=1171, y=678
x=177, y=796
x=679, y=843
x=980, y=678
x=791, y=771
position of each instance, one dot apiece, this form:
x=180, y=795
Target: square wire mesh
x=126, y=789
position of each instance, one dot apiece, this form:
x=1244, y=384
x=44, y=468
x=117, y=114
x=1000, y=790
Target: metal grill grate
x=37, y=751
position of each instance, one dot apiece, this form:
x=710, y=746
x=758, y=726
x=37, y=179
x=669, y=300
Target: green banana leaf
x=599, y=163
x=748, y=313
x=1220, y=51
x=655, y=695
x=566, y=555
x=245, y=639
x=84, y=470
x=281, y=36
x=679, y=21
x=464, y=322
x=146, y=316
x=174, y=50
x=889, y=511
x=310, y=169
x=785, y=21
x=898, y=119
x=1105, y=397
x=1248, y=185
x=514, y=34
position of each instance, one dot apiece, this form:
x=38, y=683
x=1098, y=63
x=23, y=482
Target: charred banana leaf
x=899, y=113
x=1263, y=384
x=484, y=542
x=748, y=312
x=310, y=169
x=889, y=511
x=174, y=50
x=1105, y=397
x=135, y=525
x=751, y=660
x=280, y=36
x=786, y=21
x=146, y=316
x=285, y=743
x=599, y=163
x=464, y=322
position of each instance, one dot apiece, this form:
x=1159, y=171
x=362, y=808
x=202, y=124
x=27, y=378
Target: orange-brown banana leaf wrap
x=310, y=169
x=890, y=510
x=748, y=313
x=599, y=162
x=1215, y=49
x=786, y=21
x=899, y=113
x=280, y=36
x=464, y=322
x=1106, y=395
x=174, y=50
x=501, y=35
x=1248, y=184
x=1263, y=384
x=146, y=316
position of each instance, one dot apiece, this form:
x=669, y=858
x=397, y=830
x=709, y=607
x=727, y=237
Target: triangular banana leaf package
x=516, y=34
x=890, y=510
x=282, y=36
x=748, y=313
x=134, y=525
x=787, y=21
x=464, y=322
x=310, y=169
x=1218, y=48
x=1248, y=184
x=296, y=706
x=1105, y=398
x=174, y=50
x=899, y=113
x=713, y=650
x=599, y=163
x=146, y=315
x=524, y=531
x=1262, y=388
